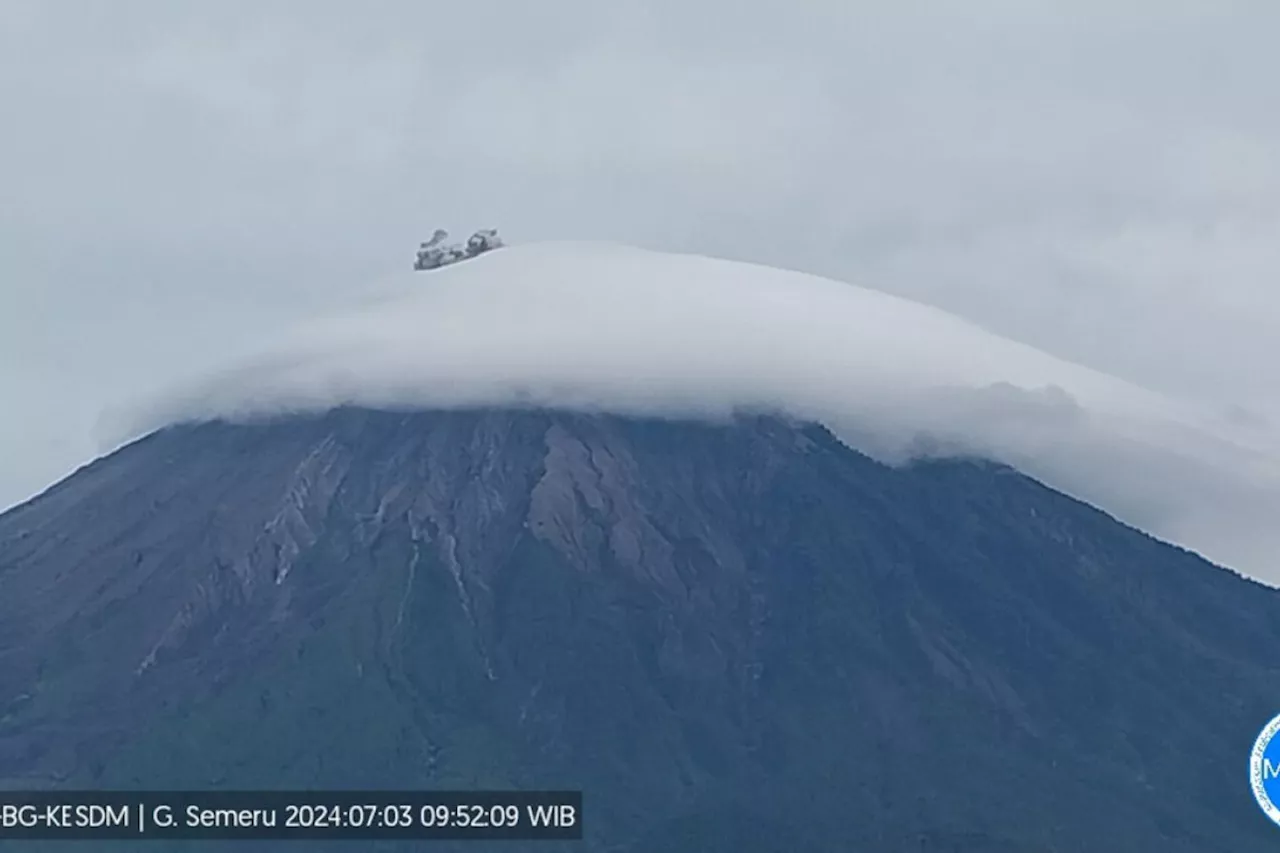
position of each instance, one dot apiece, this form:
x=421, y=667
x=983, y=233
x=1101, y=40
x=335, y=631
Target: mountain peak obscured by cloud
x=1098, y=180
x=603, y=326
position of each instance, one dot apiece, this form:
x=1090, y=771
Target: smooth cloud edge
x=1130, y=452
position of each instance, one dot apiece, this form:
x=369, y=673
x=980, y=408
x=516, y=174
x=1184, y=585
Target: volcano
x=731, y=634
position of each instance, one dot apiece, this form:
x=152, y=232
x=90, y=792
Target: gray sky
x=1099, y=179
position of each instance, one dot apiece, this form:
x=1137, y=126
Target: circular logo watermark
x=1264, y=770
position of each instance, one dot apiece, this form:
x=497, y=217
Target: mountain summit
x=609, y=328
x=736, y=635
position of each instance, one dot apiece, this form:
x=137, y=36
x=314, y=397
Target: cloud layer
x=602, y=326
x=1098, y=179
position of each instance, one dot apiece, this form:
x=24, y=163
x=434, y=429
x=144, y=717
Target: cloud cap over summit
x=601, y=326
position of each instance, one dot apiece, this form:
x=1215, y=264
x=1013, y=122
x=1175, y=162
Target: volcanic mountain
x=758, y=561
x=733, y=635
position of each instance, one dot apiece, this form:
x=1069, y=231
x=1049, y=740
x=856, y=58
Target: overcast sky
x=1099, y=179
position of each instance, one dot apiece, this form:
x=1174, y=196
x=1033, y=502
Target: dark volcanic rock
x=738, y=636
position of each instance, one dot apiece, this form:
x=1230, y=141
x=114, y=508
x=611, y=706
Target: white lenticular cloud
x=607, y=327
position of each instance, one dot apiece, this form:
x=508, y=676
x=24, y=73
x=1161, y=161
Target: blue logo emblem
x=1264, y=770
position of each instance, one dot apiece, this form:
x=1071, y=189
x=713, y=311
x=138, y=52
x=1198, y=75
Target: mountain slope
x=737, y=635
